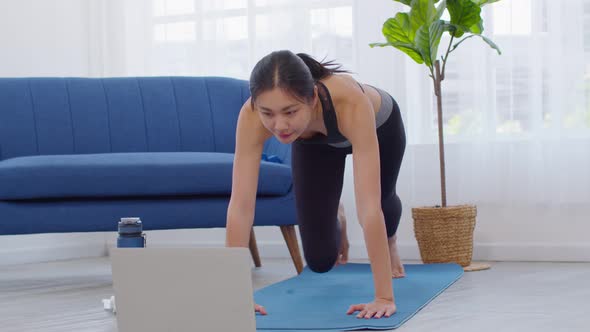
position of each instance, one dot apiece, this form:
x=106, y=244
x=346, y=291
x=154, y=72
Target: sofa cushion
x=131, y=174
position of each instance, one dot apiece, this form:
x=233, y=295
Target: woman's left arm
x=358, y=125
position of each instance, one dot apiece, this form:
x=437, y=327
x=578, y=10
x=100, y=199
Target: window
x=226, y=37
x=512, y=17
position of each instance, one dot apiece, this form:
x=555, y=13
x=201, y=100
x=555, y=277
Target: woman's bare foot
x=344, y=245
x=397, y=268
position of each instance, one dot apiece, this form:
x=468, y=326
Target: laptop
x=183, y=289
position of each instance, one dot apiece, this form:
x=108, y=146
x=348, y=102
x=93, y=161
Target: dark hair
x=296, y=74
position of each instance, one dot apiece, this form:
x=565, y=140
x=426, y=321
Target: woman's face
x=283, y=115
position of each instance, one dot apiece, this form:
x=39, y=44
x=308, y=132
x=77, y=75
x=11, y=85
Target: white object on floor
x=109, y=304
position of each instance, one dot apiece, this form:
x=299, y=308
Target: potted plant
x=444, y=233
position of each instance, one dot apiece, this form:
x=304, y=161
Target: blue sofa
x=76, y=154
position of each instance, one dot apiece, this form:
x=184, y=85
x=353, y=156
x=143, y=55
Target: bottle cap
x=131, y=220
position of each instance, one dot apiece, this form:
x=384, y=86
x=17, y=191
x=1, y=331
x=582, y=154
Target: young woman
x=326, y=115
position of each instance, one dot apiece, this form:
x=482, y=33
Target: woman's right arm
x=250, y=138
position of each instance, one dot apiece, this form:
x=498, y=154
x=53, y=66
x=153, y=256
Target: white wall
x=44, y=38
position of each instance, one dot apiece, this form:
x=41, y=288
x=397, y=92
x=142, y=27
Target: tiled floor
x=512, y=296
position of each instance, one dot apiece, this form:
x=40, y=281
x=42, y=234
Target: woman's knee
x=320, y=239
x=321, y=262
x=321, y=255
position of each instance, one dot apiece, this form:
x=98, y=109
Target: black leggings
x=318, y=172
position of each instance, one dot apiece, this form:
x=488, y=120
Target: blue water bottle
x=131, y=233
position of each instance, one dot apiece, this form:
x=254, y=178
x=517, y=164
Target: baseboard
x=51, y=253
x=535, y=252
x=541, y=252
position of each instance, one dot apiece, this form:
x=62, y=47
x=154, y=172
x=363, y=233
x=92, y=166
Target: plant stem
x=441, y=148
x=459, y=43
x=445, y=58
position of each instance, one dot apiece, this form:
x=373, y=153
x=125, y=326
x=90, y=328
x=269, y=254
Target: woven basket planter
x=445, y=235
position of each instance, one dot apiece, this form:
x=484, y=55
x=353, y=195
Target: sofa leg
x=254, y=249
x=290, y=236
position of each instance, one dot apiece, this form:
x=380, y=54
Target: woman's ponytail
x=320, y=70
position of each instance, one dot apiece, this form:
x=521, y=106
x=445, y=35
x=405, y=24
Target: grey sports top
x=334, y=137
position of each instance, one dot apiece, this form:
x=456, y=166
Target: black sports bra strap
x=330, y=119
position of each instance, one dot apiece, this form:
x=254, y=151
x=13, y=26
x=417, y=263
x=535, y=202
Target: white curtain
x=517, y=125
x=224, y=37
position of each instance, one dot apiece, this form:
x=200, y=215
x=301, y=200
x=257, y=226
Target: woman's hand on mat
x=375, y=309
x=260, y=309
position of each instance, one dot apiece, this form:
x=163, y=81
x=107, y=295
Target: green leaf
x=428, y=39
x=422, y=13
x=458, y=30
x=440, y=10
x=410, y=50
x=408, y=2
x=379, y=44
x=465, y=14
x=455, y=30
x=407, y=48
x=482, y=3
x=398, y=29
x=477, y=28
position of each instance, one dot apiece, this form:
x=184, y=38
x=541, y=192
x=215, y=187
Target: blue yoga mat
x=319, y=301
